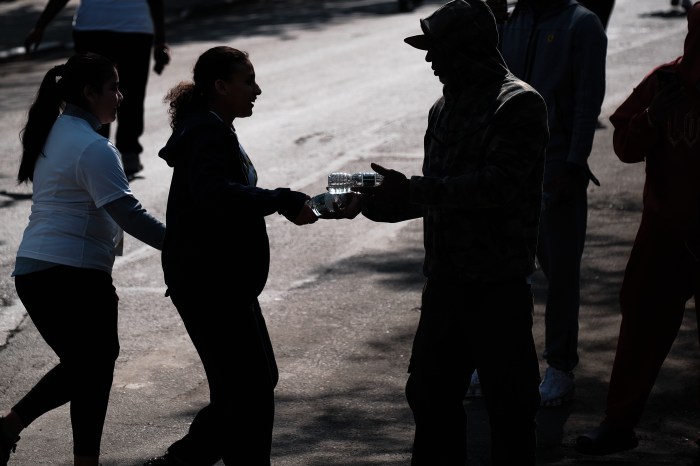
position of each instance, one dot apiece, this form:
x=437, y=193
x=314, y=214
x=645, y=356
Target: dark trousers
x=660, y=277
x=463, y=327
x=131, y=53
x=562, y=237
x=233, y=343
x=75, y=311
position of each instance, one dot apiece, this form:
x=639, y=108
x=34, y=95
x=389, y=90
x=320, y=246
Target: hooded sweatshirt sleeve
x=634, y=138
x=588, y=72
x=217, y=175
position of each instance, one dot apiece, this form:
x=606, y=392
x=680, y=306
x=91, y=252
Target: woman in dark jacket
x=216, y=258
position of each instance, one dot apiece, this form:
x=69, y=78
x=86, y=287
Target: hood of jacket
x=177, y=143
x=466, y=31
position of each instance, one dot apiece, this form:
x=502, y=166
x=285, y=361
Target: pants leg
x=232, y=341
x=131, y=53
x=658, y=283
x=462, y=328
x=560, y=248
x=75, y=311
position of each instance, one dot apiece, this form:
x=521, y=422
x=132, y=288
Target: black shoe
x=606, y=440
x=7, y=445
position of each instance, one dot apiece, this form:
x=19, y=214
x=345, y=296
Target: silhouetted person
x=216, y=214
x=559, y=47
x=656, y=125
x=479, y=197
x=81, y=206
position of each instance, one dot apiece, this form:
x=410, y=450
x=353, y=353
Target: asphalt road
x=340, y=90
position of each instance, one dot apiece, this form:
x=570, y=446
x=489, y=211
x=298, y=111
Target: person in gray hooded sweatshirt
x=559, y=47
x=479, y=198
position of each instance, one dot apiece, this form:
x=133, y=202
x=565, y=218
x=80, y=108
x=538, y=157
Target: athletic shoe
x=474, y=390
x=557, y=388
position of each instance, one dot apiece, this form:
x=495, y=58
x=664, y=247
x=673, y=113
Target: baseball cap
x=457, y=21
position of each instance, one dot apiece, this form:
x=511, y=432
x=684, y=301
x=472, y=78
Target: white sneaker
x=557, y=388
x=474, y=390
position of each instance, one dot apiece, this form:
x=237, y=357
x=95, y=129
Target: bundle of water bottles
x=339, y=190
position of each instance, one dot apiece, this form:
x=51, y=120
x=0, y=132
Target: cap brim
x=420, y=41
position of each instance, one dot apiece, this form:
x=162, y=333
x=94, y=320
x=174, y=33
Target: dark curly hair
x=189, y=96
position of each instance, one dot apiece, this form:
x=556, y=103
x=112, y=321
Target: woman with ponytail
x=216, y=257
x=81, y=205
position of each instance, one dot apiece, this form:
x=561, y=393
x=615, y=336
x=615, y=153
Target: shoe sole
x=607, y=449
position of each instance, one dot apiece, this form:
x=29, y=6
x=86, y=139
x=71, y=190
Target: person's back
x=561, y=53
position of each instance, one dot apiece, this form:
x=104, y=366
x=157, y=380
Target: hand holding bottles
x=394, y=187
x=305, y=216
x=340, y=201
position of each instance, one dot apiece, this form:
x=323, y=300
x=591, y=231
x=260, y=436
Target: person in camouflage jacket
x=479, y=198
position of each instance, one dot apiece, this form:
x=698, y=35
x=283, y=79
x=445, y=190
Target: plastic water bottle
x=339, y=183
x=326, y=204
x=323, y=204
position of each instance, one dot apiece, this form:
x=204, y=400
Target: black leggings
x=75, y=311
x=232, y=340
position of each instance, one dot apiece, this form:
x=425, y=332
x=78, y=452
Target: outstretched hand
x=304, y=217
x=349, y=208
x=393, y=188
